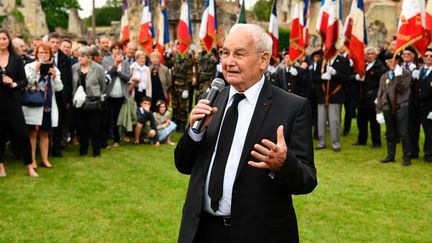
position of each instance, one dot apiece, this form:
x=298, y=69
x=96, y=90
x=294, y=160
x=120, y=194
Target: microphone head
x=218, y=84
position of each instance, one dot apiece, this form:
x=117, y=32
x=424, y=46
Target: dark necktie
x=423, y=73
x=215, y=189
x=407, y=66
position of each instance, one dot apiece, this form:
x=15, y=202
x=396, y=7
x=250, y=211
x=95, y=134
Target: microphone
x=216, y=86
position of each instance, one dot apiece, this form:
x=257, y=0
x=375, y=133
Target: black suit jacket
x=366, y=91
x=65, y=68
x=261, y=207
x=298, y=85
x=425, y=90
x=15, y=70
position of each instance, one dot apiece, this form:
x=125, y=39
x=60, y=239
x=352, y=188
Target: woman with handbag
x=90, y=76
x=12, y=80
x=44, y=80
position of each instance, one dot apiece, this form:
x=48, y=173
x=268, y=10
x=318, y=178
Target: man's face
x=242, y=63
x=155, y=60
x=428, y=58
x=370, y=56
x=104, y=44
x=131, y=49
x=391, y=64
x=287, y=60
x=407, y=56
x=146, y=105
x=65, y=47
x=22, y=46
x=54, y=44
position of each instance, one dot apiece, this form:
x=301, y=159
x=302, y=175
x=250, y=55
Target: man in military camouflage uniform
x=206, y=71
x=182, y=76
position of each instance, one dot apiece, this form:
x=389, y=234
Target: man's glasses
x=237, y=55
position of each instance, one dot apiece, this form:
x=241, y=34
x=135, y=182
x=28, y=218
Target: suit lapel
x=263, y=105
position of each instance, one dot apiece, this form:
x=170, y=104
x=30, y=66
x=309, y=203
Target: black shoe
x=376, y=146
x=358, y=144
x=57, y=154
x=387, y=160
x=319, y=147
x=337, y=150
x=406, y=162
x=414, y=156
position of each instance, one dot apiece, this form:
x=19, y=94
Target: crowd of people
x=396, y=90
x=55, y=91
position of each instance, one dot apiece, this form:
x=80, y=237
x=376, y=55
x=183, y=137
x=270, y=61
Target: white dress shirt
x=246, y=108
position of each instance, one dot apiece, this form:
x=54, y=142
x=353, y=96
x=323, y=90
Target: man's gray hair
x=371, y=49
x=261, y=38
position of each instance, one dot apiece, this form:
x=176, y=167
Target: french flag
x=163, y=34
x=355, y=36
x=124, y=23
x=323, y=18
x=334, y=27
x=296, y=48
x=274, y=31
x=428, y=24
x=307, y=13
x=208, y=25
x=184, y=30
x=146, y=32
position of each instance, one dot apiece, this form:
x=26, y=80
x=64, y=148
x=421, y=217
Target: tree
x=262, y=10
x=104, y=16
x=57, y=12
x=113, y=3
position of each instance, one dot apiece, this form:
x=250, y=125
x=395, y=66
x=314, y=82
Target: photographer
x=12, y=79
x=44, y=77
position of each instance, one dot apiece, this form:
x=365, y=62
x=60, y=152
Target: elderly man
x=366, y=92
x=254, y=151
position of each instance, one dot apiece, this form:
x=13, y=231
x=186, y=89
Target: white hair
x=371, y=49
x=262, y=40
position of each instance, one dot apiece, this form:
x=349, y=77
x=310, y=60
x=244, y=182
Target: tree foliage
x=104, y=16
x=57, y=12
x=262, y=10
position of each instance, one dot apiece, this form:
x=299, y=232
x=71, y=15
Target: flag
x=307, y=13
x=411, y=28
x=428, y=18
x=208, y=25
x=323, y=17
x=296, y=48
x=184, y=30
x=274, y=31
x=242, y=16
x=333, y=31
x=163, y=34
x=355, y=36
x=124, y=24
x=146, y=31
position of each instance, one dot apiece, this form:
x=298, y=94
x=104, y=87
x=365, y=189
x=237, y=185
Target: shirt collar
x=251, y=94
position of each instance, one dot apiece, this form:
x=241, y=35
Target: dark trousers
x=414, y=130
x=397, y=124
x=212, y=230
x=66, y=126
x=365, y=115
x=12, y=125
x=104, y=125
x=349, y=113
x=57, y=134
x=89, y=126
x=115, y=105
x=427, y=128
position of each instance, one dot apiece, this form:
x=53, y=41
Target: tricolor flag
x=307, y=13
x=163, y=34
x=124, y=23
x=146, y=32
x=428, y=16
x=274, y=31
x=242, y=16
x=355, y=36
x=411, y=28
x=323, y=17
x=296, y=48
x=333, y=30
x=208, y=25
x=184, y=30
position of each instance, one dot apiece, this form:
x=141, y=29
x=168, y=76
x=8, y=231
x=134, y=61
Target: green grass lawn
x=134, y=193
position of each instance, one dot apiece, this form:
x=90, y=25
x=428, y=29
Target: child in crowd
x=143, y=115
x=165, y=127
